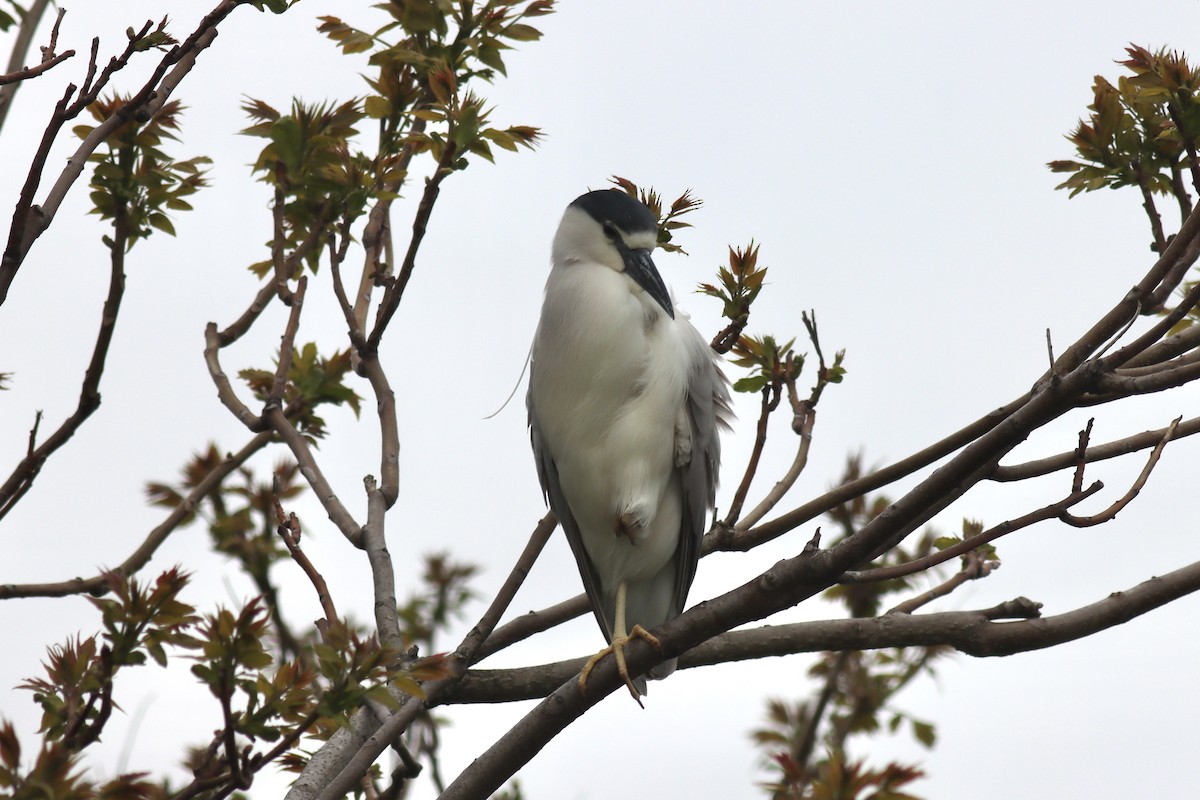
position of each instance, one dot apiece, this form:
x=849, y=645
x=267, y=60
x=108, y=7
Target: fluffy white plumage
x=625, y=398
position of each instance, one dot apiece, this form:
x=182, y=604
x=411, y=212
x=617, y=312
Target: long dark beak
x=640, y=267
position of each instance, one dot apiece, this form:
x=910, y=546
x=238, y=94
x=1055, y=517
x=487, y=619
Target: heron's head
x=611, y=228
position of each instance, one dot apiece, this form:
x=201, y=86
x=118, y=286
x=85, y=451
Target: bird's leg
x=619, y=640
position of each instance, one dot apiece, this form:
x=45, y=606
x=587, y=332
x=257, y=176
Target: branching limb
x=27, y=470
x=99, y=584
x=804, y=418
x=1111, y=512
x=1119, y=447
x=1052, y=511
x=723, y=539
x=377, y=234
x=288, y=528
x=29, y=221
x=22, y=43
x=349, y=754
x=989, y=632
x=395, y=290
x=975, y=566
x=770, y=401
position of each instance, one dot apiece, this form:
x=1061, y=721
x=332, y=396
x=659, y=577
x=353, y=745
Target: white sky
x=890, y=159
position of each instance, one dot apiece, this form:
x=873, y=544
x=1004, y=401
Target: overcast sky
x=890, y=160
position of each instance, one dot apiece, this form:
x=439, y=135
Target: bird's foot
x=631, y=524
x=617, y=648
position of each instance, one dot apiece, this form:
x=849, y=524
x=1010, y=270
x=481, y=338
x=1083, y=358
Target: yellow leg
x=619, y=640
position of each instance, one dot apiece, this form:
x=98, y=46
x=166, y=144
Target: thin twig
x=770, y=401
x=1052, y=511
x=288, y=528
x=21, y=44
x=1085, y=436
x=27, y=470
x=1102, y=452
x=1111, y=511
x=99, y=584
x=471, y=648
x=395, y=291
x=974, y=567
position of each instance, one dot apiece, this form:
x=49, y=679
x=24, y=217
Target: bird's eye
x=610, y=231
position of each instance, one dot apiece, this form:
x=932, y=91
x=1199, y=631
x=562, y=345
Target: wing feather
x=553, y=494
x=708, y=410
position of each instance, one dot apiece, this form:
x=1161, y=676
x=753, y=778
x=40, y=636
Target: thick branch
x=976, y=633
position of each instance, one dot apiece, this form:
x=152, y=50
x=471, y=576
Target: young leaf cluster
x=312, y=380
x=134, y=181
x=668, y=220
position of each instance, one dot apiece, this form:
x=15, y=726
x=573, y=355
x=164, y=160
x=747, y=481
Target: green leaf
x=924, y=733
x=522, y=33
x=377, y=107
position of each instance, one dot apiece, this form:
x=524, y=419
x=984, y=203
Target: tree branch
x=27, y=470
x=1111, y=511
x=99, y=584
x=977, y=633
x=29, y=23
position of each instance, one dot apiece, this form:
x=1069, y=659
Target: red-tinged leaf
x=10, y=746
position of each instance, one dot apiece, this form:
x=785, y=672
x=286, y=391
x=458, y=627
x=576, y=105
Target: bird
x=625, y=401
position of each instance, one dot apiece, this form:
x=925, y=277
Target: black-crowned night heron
x=625, y=399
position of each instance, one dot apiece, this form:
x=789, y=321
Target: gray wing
x=708, y=410
x=553, y=494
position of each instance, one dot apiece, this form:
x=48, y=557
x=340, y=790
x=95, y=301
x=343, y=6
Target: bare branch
x=338, y=514
x=786, y=482
x=289, y=531
x=237, y=329
x=395, y=291
x=287, y=345
x=33, y=72
x=382, y=572
x=985, y=633
x=1119, y=447
x=1111, y=511
x=724, y=539
x=471, y=648
x=534, y=622
x=377, y=235
x=16, y=60
x=225, y=392
x=974, y=567
x=770, y=401
x=98, y=584
x=27, y=470
x=1052, y=511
